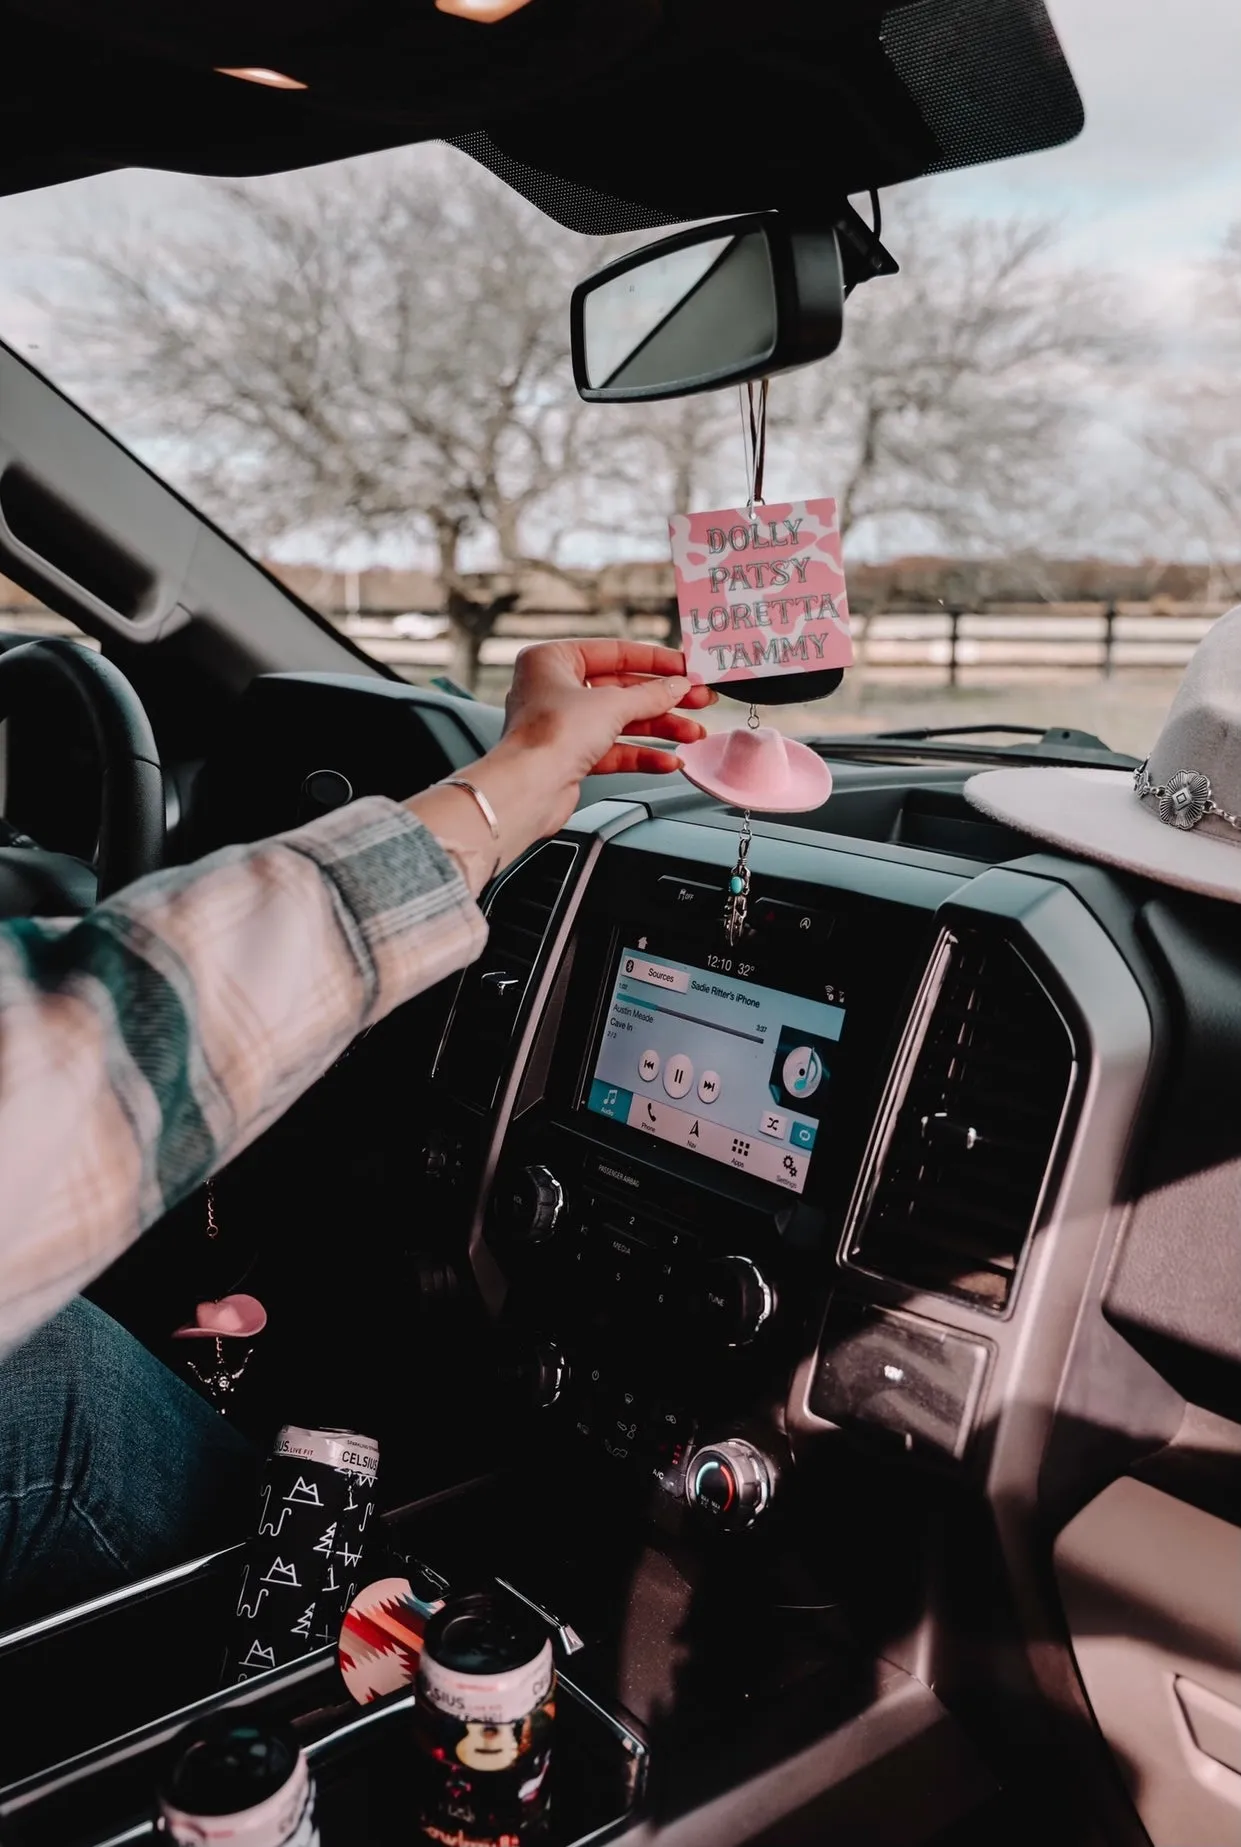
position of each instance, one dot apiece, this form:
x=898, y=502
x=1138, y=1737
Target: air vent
x=962, y=1174
x=477, y=1044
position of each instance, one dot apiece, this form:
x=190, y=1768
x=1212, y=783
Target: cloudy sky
x=1154, y=178
x=1146, y=192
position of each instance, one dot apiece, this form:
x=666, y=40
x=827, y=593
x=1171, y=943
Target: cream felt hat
x=1178, y=818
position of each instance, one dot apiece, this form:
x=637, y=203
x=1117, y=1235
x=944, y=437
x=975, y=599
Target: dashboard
x=907, y=1206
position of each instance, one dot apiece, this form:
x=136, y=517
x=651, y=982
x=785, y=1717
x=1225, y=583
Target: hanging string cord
x=753, y=407
x=747, y=454
x=758, y=440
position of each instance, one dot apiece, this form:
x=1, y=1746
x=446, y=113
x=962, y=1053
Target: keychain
x=739, y=887
x=738, y=904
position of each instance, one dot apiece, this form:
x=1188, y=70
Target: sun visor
x=396, y=62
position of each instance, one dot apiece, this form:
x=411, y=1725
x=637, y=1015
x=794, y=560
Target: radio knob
x=734, y=1299
x=532, y=1205
x=536, y=1375
x=732, y=1482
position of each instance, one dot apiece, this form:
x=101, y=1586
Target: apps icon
x=678, y=1075
x=741, y=1147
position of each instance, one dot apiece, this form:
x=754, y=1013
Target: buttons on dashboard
x=626, y=1425
x=708, y=1087
x=648, y=1066
x=678, y=1075
x=689, y=897
x=776, y=917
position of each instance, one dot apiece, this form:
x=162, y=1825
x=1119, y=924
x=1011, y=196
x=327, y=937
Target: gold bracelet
x=484, y=808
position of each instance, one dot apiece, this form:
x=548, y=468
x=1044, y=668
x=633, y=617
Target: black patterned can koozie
x=304, y=1564
x=484, y=1715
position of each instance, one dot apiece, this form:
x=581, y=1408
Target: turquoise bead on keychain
x=736, y=885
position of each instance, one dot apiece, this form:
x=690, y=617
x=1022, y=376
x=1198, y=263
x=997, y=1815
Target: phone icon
x=650, y=1113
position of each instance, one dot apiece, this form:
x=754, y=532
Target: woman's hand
x=569, y=704
x=577, y=698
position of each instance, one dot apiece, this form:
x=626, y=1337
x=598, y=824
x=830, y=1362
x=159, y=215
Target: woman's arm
x=144, y=1046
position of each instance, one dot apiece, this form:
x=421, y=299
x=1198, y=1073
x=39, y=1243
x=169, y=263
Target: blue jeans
x=110, y=1466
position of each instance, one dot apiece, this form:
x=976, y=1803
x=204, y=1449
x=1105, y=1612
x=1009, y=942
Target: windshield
x=1033, y=432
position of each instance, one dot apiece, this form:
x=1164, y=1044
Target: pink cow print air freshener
x=761, y=591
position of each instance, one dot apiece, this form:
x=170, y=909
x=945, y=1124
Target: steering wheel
x=131, y=798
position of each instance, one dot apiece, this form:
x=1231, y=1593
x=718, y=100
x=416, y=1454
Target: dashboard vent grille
x=967, y=1156
x=489, y=1000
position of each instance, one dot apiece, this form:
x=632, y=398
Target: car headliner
x=611, y=115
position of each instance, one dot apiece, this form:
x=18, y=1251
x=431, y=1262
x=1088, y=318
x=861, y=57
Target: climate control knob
x=531, y=1205
x=732, y=1482
x=734, y=1300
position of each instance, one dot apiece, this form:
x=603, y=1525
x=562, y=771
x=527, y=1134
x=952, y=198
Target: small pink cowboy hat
x=233, y=1317
x=759, y=769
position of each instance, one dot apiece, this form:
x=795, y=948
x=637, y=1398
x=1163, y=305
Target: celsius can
x=240, y=1783
x=303, y=1566
x=484, y=1712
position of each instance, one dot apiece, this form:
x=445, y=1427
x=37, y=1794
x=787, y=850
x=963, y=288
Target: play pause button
x=678, y=1075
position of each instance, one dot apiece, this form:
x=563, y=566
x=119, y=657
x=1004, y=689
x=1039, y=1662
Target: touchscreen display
x=737, y=1072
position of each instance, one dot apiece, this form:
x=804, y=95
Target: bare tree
x=672, y=457
x=952, y=403
x=377, y=350
x=1195, y=436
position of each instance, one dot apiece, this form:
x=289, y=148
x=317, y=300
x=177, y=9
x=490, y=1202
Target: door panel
x=1151, y=1589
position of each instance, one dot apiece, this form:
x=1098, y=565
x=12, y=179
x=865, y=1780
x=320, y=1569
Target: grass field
x=1126, y=712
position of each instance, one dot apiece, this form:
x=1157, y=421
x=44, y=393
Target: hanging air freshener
x=761, y=592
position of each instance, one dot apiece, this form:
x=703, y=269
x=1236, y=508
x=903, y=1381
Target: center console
x=672, y=1165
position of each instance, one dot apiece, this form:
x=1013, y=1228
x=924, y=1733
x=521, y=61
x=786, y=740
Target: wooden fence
x=950, y=645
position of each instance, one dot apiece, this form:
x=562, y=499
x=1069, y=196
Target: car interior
x=877, y=1474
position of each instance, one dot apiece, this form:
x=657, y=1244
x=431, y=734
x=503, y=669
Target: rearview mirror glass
x=717, y=305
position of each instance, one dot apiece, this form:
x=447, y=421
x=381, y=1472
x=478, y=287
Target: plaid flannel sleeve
x=145, y=1045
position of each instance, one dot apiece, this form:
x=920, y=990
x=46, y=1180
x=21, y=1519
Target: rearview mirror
x=725, y=302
